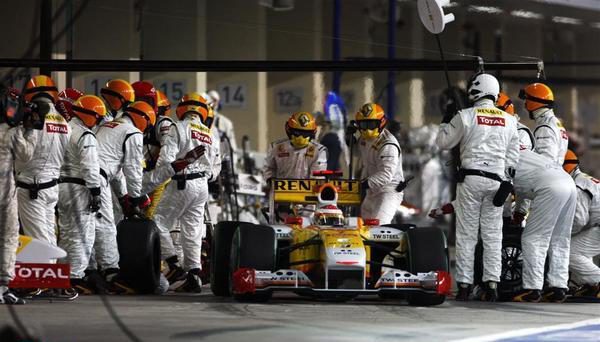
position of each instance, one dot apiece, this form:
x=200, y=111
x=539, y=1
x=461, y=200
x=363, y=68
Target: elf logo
x=56, y=128
x=490, y=121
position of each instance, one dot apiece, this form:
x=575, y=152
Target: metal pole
x=69, y=49
x=391, y=87
x=498, y=50
x=46, y=35
x=337, y=14
x=439, y=44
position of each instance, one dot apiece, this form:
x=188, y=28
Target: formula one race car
x=327, y=256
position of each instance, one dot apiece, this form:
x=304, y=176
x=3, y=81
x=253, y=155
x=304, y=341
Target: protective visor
x=302, y=133
x=571, y=161
x=106, y=91
x=368, y=124
x=524, y=96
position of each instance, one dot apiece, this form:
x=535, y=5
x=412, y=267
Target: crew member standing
x=14, y=140
x=79, y=189
x=551, y=138
x=489, y=151
x=296, y=156
x=37, y=178
x=185, y=196
x=381, y=160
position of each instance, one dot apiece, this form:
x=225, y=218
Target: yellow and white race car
x=326, y=254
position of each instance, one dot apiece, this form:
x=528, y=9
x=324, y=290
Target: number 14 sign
x=233, y=95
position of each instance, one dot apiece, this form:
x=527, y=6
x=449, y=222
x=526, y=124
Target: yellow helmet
x=194, y=103
x=300, y=129
x=571, y=161
x=90, y=109
x=370, y=120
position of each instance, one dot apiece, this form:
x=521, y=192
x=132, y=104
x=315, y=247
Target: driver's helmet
x=328, y=215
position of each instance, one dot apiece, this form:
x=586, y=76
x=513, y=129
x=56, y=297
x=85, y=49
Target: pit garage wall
x=203, y=29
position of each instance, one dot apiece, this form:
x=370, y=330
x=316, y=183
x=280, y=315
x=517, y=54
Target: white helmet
x=482, y=85
x=214, y=96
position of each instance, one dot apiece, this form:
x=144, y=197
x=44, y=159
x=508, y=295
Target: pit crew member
x=489, y=151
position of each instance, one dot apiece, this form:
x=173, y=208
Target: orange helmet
x=118, y=94
x=193, y=103
x=163, y=104
x=142, y=115
x=301, y=128
x=89, y=108
x=504, y=103
x=40, y=86
x=370, y=120
x=571, y=161
x=536, y=96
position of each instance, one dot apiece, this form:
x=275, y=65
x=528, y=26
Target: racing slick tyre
x=427, y=251
x=253, y=246
x=219, y=257
x=512, y=263
x=139, y=253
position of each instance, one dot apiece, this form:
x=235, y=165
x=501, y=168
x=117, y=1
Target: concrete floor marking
x=530, y=331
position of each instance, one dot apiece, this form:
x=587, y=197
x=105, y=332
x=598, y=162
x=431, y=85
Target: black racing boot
x=555, y=295
x=116, y=284
x=588, y=290
x=95, y=280
x=464, y=292
x=82, y=287
x=192, y=282
x=175, y=274
x=489, y=291
x=174, y=271
x=530, y=296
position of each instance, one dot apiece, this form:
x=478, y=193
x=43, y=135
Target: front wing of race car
x=251, y=281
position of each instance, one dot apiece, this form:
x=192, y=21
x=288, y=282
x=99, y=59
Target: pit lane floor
x=290, y=318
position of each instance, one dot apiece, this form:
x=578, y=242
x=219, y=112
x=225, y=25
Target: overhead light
x=452, y=4
x=566, y=20
x=595, y=25
x=526, y=14
x=485, y=9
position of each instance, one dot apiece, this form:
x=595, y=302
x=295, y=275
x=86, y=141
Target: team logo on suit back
x=56, y=128
x=490, y=121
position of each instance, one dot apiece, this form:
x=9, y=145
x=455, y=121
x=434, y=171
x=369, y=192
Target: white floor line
x=530, y=331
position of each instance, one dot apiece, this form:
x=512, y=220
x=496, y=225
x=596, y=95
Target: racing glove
x=95, y=201
x=446, y=209
x=124, y=202
x=350, y=130
x=141, y=202
x=189, y=158
x=518, y=219
x=510, y=173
